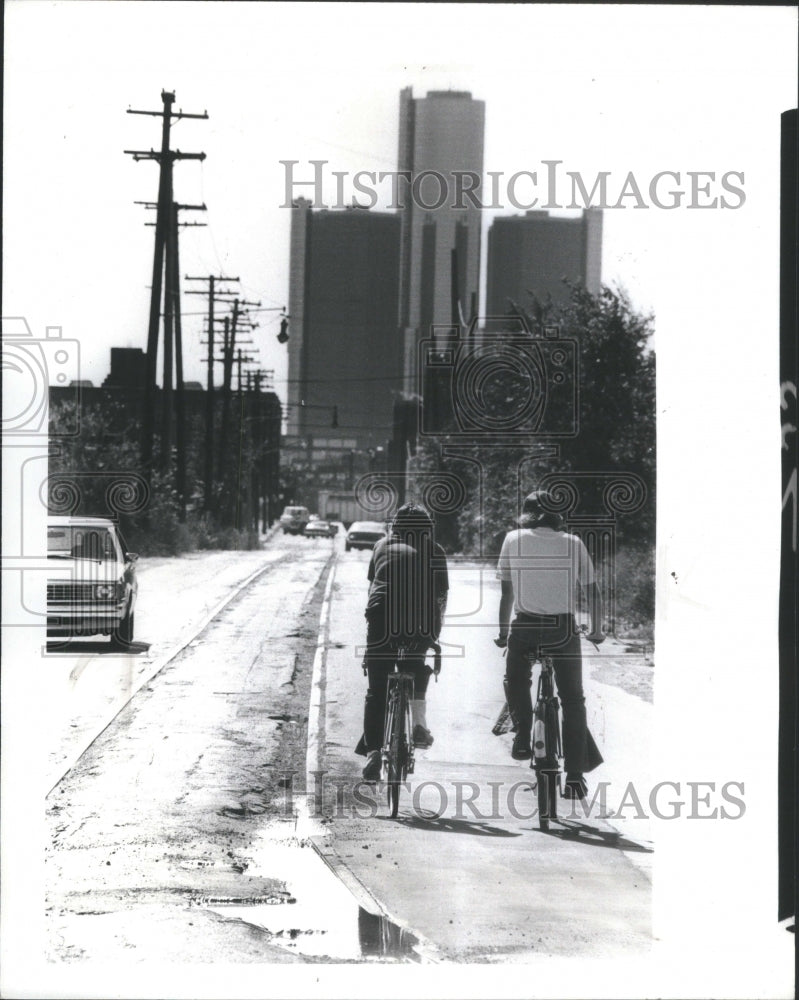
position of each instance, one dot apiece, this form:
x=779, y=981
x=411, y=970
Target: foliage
x=635, y=592
x=107, y=450
x=616, y=394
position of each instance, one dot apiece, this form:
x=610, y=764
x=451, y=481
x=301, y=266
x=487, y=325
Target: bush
x=635, y=590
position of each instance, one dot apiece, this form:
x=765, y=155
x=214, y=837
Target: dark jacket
x=408, y=586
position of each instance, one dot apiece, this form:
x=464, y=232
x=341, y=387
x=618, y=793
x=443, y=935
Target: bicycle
x=547, y=746
x=397, y=751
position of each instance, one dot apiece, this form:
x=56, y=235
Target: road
x=185, y=828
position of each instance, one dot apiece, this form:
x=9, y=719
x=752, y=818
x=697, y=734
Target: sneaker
x=521, y=747
x=373, y=766
x=575, y=787
x=422, y=737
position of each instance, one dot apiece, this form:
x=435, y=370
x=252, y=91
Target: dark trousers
x=557, y=636
x=381, y=654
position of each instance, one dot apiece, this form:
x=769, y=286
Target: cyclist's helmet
x=539, y=511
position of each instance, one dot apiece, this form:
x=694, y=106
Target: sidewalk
x=465, y=864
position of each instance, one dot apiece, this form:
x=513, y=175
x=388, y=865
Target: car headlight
x=109, y=591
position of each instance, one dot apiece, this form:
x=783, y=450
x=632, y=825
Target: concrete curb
x=316, y=708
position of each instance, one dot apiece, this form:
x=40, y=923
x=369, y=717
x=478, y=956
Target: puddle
x=323, y=919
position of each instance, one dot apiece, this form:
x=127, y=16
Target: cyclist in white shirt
x=540, y=567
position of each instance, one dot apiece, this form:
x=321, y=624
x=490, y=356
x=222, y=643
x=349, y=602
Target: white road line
x=157, y=665
x=312, y=832
x=316, y=709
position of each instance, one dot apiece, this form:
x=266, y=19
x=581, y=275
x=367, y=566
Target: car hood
x=83, y=571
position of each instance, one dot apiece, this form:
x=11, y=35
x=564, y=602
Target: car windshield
x=80, y=542
x=374, y=526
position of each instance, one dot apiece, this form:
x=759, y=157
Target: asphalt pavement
x=465, y=865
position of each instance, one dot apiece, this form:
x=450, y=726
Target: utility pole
x=172, y=321
x=241, y=359
x=180, y=408
x=180, y=397
x=165, y=158
x=209, y=400
x=228, y=354
x=223, y=458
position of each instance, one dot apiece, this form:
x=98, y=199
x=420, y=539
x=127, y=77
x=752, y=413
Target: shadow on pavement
x=85, y=647
x=575, y=831
x=445, y=824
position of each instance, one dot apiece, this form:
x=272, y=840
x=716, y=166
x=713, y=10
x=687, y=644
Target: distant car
x=364, y=535
x=294, y=519
x=97, y=594
x=319, y=529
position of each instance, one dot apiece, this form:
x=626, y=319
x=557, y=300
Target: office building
x=534, y=252
x=441, y=133
x=344, y=348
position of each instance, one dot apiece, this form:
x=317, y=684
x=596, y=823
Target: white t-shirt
x=544, y=566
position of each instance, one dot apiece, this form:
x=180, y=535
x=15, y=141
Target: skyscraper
x=535, y=251
x=344, y=351
x=442, y=134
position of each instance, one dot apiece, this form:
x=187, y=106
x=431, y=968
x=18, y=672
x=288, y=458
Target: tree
x=615, y=393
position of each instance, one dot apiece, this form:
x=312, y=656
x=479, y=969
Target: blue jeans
x=556, y=635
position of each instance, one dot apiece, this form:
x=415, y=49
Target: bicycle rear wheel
x=545, y=747
x=394, y=768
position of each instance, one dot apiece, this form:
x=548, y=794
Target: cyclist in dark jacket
x=408, y=585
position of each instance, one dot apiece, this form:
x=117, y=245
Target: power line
x=336, y=381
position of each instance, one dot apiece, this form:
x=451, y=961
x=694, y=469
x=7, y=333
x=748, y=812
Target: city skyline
x=352, y=128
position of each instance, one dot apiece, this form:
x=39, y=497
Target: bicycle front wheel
x=546, y=786
x=393, y=798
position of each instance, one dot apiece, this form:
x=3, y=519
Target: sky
x=638, y=89
x=618, y=90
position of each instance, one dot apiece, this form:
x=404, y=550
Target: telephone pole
x=212, y=279
x=163, y=224
x=228, y=354
x=172, y=322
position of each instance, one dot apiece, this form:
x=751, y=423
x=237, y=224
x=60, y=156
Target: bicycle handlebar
x=402, y=651
x=502, y=640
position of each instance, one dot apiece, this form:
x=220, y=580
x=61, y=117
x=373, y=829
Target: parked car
x=294, y=519
x=364, y=534
x=97, y=593
x=320, y=529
